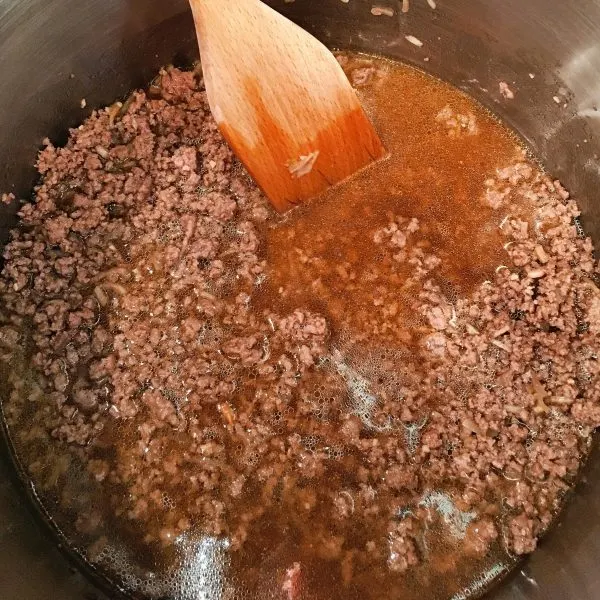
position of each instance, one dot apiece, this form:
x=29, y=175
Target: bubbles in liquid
x=252, y=458
x=481, y=582
x=169, y=232
x=167, y=502
x=335, y=452
x=456, y=520
x=412, y=434
x=276, y=417
x=210, y=433
x=210, y=333
x=200, y=574
x=310, y=442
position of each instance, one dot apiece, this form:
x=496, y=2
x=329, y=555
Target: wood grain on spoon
x=281, y=100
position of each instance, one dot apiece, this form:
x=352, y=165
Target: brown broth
x=323, y=256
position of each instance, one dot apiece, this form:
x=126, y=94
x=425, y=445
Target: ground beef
x=457, y=124
x=150, y=340
x=402, y=549
x=479, y=536
x=291, y=583
x=7, y=198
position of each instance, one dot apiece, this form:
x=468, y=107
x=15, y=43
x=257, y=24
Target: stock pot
x=54, y=53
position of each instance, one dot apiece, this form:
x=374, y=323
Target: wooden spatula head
x=281, y=100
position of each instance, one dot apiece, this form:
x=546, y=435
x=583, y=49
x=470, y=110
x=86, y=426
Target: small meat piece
x=401, y=477
x=402, y=549
x=362, y=76
x=438, y=317
x=505, y=90
x=292, y=582
x=479, y=536
x=522, y=539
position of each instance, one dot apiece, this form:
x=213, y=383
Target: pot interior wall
x=55, y=53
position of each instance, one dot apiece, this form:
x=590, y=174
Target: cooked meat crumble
x=184, y=365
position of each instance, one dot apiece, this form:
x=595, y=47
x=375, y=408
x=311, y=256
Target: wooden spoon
x=281, y=100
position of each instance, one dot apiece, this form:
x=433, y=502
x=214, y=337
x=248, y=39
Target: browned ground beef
x=133, y=343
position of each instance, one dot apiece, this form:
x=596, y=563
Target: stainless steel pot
x=54, y=53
